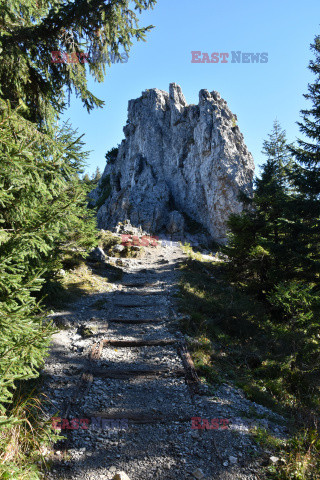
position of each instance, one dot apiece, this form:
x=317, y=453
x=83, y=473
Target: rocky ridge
x=180, y=167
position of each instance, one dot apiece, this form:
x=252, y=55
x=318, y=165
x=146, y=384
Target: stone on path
x=274, y=459
x=97, y=255
x=121, y=476
x=233, y=459
x=198, y=474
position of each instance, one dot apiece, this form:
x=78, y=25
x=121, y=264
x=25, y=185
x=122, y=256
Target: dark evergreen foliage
x=43, y=200
x=305, y=175
x=257, y=240
x=31, y=31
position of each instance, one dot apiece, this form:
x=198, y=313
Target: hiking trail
x=132, y=374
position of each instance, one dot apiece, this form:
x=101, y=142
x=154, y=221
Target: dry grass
x=25, y=440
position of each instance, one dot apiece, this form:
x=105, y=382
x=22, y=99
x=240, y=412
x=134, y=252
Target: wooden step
x=138, y=342
x=96, y=349
x=138, y=372
x=130, y=305
x=139, y=284
x=135, y=320
x=139, y=417
x=145, y=294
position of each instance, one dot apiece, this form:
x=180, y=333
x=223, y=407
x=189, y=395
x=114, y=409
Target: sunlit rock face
x=178, y=163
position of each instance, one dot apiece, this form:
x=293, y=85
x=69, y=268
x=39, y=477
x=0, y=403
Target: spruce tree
x=43, y=216
x=96, y=176
x=256, y=244
x=271, y=192
x=46, y=49
x=86, y=179
x=43, y=201
x=305, y=226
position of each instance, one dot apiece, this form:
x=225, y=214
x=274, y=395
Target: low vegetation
x=81, y=280
x=25, y=443
x=104, y=188
x=235, y=337
x=254, y=320
x=108, y=240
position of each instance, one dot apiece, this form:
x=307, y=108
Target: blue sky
x=257, y=93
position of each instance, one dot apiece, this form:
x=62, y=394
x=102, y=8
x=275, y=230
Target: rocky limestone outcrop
x=179, y=165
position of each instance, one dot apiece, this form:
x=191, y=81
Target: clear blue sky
x=256, y=93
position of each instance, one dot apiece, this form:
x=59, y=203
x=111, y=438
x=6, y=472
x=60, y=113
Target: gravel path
x=129, y=378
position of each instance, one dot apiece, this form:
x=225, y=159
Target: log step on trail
x=138, y=372
x=137, y=342
x=144, y=294
x=140, y=417
x=131, y=305
x=136, y=320
x=139, y=284
x=96, y=349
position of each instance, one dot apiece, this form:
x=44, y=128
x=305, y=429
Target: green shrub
x=105, y=189
x=111, y=155
x=107, y=240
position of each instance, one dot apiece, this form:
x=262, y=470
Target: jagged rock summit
x=179, y=165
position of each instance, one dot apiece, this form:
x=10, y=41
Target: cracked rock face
x=178, y=163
